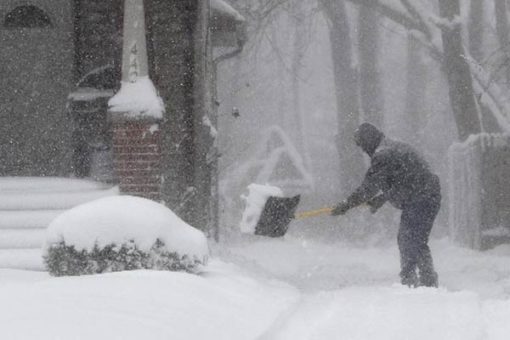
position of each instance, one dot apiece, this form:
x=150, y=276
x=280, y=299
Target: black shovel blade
x=276, y=216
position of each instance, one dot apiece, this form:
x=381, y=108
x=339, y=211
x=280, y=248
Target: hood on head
x=368, y=138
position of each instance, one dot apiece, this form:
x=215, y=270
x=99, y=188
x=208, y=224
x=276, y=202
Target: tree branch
x=391, y=13
x=424, y=28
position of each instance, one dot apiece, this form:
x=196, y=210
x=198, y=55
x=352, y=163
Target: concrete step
x=27, y=219
x=49, y=184
x=50, y=200
x=29, y=259
x=22, y=238
x=27, y=207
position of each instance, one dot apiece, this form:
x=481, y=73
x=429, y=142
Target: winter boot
x=409, y=279
x=428, y=280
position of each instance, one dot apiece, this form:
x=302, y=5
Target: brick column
x=137, y=156
x=135, y=112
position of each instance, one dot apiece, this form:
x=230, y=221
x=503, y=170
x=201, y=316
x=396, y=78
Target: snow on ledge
x=483, y=139
x=138, y=99
x=222, y=7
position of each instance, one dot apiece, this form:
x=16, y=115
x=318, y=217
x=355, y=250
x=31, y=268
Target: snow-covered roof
x=223, y=8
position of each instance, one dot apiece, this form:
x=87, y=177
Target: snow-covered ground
x=260, y=288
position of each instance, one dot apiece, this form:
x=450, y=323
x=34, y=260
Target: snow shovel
x=278, y=212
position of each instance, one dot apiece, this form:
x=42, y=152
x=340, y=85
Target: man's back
x=401, y=173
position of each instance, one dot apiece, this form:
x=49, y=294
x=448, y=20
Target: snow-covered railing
x=479, y=189
x=464, y=193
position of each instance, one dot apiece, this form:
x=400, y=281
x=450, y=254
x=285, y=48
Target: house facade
x=61, y=62
x=37, y=72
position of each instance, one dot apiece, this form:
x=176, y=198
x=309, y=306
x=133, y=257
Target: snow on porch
x=29, y=204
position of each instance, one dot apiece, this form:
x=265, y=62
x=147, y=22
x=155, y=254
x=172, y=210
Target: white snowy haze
x=288, y=104
x=285, y=77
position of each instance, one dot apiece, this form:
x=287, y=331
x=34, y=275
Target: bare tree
x=502, y=28
x=346, y=83
x=452, y=56
x=372, y=101
x=476, y=34
x=416, y=96
x=458, y=73
x=299, y=47
x=476, y=29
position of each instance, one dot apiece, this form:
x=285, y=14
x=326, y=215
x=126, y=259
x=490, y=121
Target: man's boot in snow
x=428, y=280
x=409, y=279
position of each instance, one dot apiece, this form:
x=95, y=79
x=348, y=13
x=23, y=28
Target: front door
x=36, y=71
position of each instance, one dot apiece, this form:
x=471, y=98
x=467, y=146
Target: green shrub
x=64, y=260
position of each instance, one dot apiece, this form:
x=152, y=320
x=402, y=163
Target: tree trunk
x=475, y=29
x=476, y=26
x=346, y=81
x=458, y=73
x=416, y=91
x=299, y=47
x=502, y=28
x=281, y=78
x=372, y=102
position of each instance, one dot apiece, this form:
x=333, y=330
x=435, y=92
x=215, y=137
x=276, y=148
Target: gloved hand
x=375, y=203
x=340, y=209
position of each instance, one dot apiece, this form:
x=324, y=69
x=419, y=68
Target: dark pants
x=415, y=225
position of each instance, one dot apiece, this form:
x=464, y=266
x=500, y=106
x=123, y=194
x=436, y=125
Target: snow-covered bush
x=122, y=233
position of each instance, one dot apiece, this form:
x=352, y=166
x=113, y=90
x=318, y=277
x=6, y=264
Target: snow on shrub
x=122, y=233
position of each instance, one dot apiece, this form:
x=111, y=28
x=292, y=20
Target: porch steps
x=28, y=205
x=28, y=259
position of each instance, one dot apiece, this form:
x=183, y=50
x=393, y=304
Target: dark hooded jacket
x=397, y=173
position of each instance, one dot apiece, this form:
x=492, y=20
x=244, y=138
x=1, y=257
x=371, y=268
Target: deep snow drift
x=260, y=288
x=295, y=287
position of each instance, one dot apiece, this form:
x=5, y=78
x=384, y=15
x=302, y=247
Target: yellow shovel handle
x=313, y=213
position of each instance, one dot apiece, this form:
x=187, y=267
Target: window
x=27, y=17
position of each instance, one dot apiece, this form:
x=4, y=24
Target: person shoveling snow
x=399, y=175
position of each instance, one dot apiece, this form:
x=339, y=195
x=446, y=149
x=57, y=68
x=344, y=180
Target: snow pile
x=247, y=301
x=138, y=99
x=255, y=201
x=386, y=313
x=125, y=221
x=221, y=303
